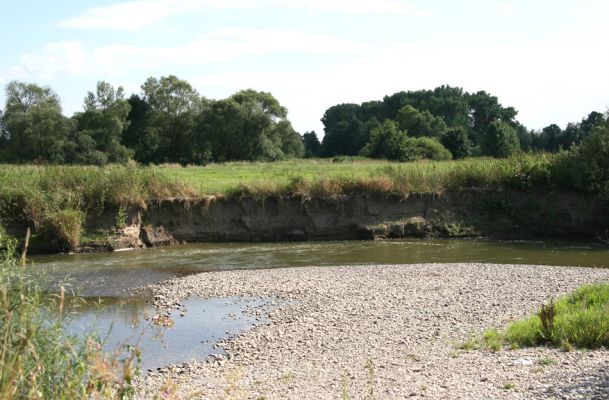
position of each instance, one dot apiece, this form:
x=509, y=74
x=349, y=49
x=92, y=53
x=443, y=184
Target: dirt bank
x=503, y=214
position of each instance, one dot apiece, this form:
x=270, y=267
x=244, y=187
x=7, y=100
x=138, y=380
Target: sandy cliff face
x=469, y=213
x=503, y=214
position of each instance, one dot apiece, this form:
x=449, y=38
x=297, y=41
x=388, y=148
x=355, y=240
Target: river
x=121, y=315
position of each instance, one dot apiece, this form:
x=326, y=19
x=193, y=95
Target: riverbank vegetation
x=38, y=358
x=577, y=320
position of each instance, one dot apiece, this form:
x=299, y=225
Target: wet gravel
x=384, y=332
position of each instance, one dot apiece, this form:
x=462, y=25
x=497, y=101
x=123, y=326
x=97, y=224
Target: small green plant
x=509, y=385
x=546, y=317
x=546, y=362
x=371, y=379
x=493, y=340
x=457, y=230
x=472, y=343
x=121, y=217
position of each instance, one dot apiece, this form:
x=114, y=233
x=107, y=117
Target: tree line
x=441, y=123
x=169, y=121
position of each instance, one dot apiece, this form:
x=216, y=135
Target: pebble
x=391, y=330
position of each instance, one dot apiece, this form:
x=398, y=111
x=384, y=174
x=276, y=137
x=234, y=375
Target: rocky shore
x=385, y=332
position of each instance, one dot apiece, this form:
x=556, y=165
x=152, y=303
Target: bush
x=429, y=149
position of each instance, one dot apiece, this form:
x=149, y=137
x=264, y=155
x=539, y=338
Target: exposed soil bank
x=503, y=214
x=393, y=331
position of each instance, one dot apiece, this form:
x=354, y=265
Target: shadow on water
x=121, y=322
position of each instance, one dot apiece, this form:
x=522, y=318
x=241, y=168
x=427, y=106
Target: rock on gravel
x=387, y=331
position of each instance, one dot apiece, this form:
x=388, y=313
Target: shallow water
x=116, y=274
x=191, y=337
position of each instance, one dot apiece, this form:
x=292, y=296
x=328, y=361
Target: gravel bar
x=385, y=332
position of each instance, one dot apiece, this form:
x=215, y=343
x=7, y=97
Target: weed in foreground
x=38, y=359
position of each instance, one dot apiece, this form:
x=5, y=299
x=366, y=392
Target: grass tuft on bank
x=579, y=320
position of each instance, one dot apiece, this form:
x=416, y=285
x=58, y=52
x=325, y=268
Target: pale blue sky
x=548, y=59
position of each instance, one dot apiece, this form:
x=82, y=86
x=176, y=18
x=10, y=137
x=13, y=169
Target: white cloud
x=135, y=15
x=75, y=59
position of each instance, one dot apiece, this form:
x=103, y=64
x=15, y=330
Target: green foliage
x=33, y=126
x=39, y=360
x=580, y=319
x=586, y=167
x=457, y=141
x=249, y=125
x=500, y=140
x=418, y=123
x=55, y=200
x=388, y=141
x=311, y=144
x=429, y=149
x=100, y=127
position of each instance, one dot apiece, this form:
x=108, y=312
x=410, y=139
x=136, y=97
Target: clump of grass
x=38, y=359
x=579, y=320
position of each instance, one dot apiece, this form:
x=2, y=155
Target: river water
x=124, y=316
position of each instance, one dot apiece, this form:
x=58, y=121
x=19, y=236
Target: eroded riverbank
x=393, y=329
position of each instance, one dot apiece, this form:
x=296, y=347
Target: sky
x=548, y=59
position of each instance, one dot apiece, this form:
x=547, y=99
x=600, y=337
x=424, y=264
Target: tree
x=456, y=140
x=141, y=135
x=174, y=106
x=549, y=139
x=388, y=141
x=500, y=140
x=525, y=137
x=101, y=125
x=249, y=125
x=33, y=126
x=483, y=110
x=418, y=123
x=311, y=144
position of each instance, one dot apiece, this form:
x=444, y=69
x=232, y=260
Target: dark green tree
x=311, y=144
x=174, y=106
x=33, y=126
x=500, y=140
x=418, y=123
x=249, y=125
x=456, y=140
x=100, y=127
x=388, y=141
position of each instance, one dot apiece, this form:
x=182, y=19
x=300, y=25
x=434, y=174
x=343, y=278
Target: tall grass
x=56, y=200
x=38, y=360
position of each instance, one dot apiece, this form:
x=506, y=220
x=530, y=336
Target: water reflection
x=121, y=322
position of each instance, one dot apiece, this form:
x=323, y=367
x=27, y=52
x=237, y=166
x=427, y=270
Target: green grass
x=38, y=359
x=327, y=177
x=579, y=320
x=57, y=200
